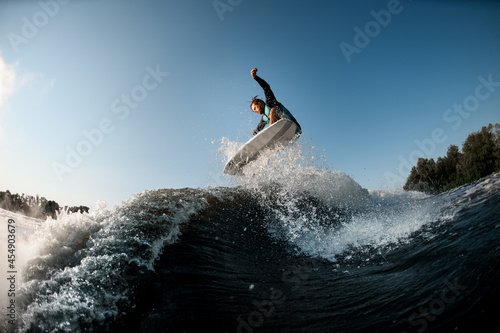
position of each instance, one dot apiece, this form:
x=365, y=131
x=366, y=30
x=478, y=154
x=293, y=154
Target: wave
x=292, y=246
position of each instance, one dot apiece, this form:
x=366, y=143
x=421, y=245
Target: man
x=271, y=110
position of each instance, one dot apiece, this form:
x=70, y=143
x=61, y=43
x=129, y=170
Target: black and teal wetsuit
x=271, y=102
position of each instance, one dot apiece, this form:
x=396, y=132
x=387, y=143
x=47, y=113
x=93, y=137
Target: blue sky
x=143, y=91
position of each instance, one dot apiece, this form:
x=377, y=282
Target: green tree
x=422, y=177
x=480, y=157
x=447, y=169
x=495, y=130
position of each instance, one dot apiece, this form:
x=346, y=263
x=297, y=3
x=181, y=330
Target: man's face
x=257, y=107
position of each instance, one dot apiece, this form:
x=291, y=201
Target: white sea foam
x=367, y=218
x=391, y=219
x=82, y=264
x=297, y=168
x=375, y=229
x=21, y=230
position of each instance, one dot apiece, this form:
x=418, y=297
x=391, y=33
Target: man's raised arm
x=270, y=98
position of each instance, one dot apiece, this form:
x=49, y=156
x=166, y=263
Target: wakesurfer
x=271, y=110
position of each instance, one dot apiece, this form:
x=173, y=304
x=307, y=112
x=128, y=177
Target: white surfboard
x=282, y=131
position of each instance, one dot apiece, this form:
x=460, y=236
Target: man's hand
x=253, y=72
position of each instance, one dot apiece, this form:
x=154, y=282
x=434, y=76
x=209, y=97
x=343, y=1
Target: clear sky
x=103, y=99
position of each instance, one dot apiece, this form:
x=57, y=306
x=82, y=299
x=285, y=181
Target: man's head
x=257, y=105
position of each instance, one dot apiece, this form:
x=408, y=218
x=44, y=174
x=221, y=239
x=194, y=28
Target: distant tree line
x=480, y=157
x=37, y=207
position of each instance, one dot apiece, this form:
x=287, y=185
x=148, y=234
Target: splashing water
x=340, y=257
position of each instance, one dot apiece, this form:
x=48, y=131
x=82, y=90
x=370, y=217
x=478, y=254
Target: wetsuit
x=271, y=102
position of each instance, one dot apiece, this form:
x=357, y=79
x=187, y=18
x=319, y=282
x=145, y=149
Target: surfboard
x=283, y=131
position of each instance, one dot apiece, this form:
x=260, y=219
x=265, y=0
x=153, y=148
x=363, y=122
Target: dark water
x=323, y=256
